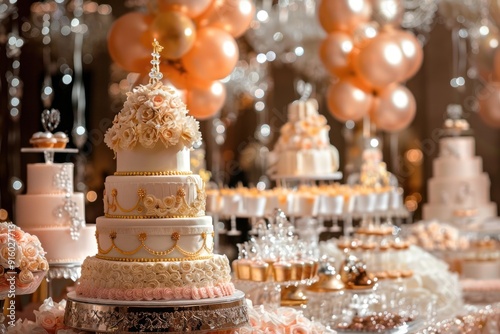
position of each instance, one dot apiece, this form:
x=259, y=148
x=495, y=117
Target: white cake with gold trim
x=55, y=214
x=154, y=241
x=303, y=148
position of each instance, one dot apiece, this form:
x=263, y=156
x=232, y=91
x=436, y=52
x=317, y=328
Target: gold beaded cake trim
x=149, y=206
x=142, y=237
x=172, y=259
x=167, y=173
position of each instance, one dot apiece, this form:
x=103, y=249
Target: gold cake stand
x=220, y=315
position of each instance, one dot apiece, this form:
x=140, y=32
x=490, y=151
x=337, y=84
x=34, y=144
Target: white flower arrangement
x=152, y=113
x=49, y=320
x=20, y=252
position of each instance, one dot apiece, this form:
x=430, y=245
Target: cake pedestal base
x=220, y=315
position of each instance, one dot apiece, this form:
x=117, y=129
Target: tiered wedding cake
x=459, y=188
x=55, y=214
x=155, y=241
x=303, y=148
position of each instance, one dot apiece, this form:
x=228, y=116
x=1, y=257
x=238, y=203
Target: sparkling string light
x=14, y=93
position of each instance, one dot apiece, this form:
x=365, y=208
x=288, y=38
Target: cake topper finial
x=455, y=123
x=155, y=75
x=50, y=119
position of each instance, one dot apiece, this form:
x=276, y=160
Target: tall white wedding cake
x=303, y=148
x=155, y=241
x=459, y=189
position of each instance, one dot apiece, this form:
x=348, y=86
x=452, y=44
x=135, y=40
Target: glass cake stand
x=220, y=315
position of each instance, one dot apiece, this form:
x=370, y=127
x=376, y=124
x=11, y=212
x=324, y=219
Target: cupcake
x=61, y=139
x=43, y=140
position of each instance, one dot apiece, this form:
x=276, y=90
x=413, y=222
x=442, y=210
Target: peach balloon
x=175, y=32
x=129, y=42
x=213, y=55
x=178, y=76
x=233, y=16
x=412, y=51
x=364, y=33
x=205, y=101
x=381, y=62
x=335, y=51
x=489, y=104
x=388, y=12
x=348, y=102
x=343, y=15
x=191, y=8
x=394, y=109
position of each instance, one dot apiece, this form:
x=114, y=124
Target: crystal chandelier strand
x=14, y=95
x=78, y=93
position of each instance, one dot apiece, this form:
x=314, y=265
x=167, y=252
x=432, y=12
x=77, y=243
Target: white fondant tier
x=199, y=279
x=155, y=196
x=169, y=239
x=156, y=159
x=458, y=147
x=447, y=167
x=466, y=192
x=480, y=269
x=42, y=210
x=61, y=248
x=449, y=212
x=307, y=162
x=48, y=178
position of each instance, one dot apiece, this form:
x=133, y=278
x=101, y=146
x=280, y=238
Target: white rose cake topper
x=153, y=114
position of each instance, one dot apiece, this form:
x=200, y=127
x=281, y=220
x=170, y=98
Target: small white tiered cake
x=55, y=214
x=459, y=189
x=303, y=148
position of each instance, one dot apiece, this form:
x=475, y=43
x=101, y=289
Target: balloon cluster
x=198, y=37
x=371, y=56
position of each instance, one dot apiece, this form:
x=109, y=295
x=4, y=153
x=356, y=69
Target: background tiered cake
x=303, y=148
x=55, y=214
x=459, y=189
x=51, y=209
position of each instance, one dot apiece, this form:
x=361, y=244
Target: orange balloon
x=205, y=101
x=175, y=32
x=343, y=15
x=180, y=78
x=213, y=55
x=191, y=8
x=489, y=104
x=412, y=51
x=233, y=16
x=381, y=62
x=129, y=42
x=335, y=51
x=394, y=108
x=348, y=102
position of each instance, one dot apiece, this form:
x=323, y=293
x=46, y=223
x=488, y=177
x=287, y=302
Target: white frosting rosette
x=152, y=113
